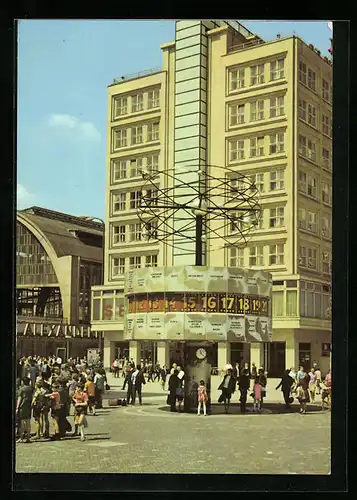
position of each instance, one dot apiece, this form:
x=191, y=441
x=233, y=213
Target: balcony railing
x=246, y=45
x=132, y=76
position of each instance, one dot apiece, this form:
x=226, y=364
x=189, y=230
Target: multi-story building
x=58, y=258
x=227, y=98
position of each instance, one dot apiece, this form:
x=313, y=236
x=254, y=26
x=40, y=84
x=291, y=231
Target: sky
x=64, y=68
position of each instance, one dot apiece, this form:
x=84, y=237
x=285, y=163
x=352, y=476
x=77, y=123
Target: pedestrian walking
x=263, y=382
x=99, y=381
x=116, y=368
x=138, y=380
x=312, y=384
x=202, y=397
x=244, y=384
x=227, y=386
x=55, y=409
x=23, y=410
x=303, y=392
x=81, y=402
x=286, y=384
x=163, y=376
x=318, y=379
x=89, y=388
x=174, y=383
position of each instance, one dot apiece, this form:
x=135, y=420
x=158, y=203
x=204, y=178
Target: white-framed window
x=118, y=266
x=120, y=138
x=237, y=79
x=137, y=135
x=151, y=230
x=236, y=150
x=236, y=114
x=277, y=179
x=311, y=186
x=256, y=146
x=311, y=120
x=235, y=257
x=120, y=106
x=257, y=110
x=326, y=125
x=119, y=202
x=326, y=159
x=311, y=222
x=135, y=262
x=134, y=232
x=153, y=131
x=151, y=197
x=326, y=262
x=135, y=199
x=302, y=218
x=277, y=69
x=326, y=226
x=302, y=145
x=326, y=90
x=302, y=182
x=276, y=254
x=257, y=74
x=302, y=256
x=136, y=166
x=118, y=234
x=256, y=255
x=302, y=72
x=312, y=258
x=302, y=109
x=235, y=186
x=151, y=260
x=276, y=106
x=137, y=103
x=258, y=181
x=311, y=150
x=154, y=98
x=276, y=218
x=326, y=193
x=277, y=143
x=119, y=170
x=236, y=222
x=152, y=163
x=311, y=79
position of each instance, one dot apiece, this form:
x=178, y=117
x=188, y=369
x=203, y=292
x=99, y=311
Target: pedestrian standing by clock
x=227, y=386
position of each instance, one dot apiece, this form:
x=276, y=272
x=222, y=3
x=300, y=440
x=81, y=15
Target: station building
x=263, y=108
x=58, y=258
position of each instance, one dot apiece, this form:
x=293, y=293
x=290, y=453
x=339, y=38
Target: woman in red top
x=80, y=399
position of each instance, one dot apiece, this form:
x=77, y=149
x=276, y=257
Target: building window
x=302, y=145
x=302, y=182
x=291, y=303
x=312, y=258
x=326, y=126
x=120, y=106
x=326, y=262
x=302, y=109
x=120, y=138
x=326, y=159
x=326, y=227
x=237, y=150
x=151, y=197
x=326, y=193
x=236, y=114
x=302, y=218
x=119, y=202
x=311, y=186
x=302, y=73
x=311, y=150
x=151, y=261
x=136, y=166
x=257, y=110
x=302, y=256
x=257, y=74
x=153, y=131
x=258, y=181
x=154, y=98
x=276, y=106
x=118, y=234
x=135, y=199
x=137, y=103
x=277, y=143
x=276, y=254
x=135, y=232
x=311, y=115
x=311, y=79
x=236, y=257
x=276, y=217
x=119, y=170
x=277, y=179
x=256, y=256
x=237, y=79
x=151, y=230
x=118, y=266
x=134, y=262
x=152, y=163
x=136, y=135
x=256, y=146
x=326, y=91
x=278, y=303
x=277, y=69
x=311, y=222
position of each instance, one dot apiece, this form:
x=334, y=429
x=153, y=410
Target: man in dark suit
x=228, y=387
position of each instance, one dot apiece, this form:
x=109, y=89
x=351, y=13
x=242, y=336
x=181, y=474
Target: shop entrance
x=305, y=355
x=274, y=358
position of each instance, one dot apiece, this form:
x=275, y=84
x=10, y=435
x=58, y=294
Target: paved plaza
x=150, y=439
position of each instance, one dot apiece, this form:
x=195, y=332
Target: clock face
x=201, y=353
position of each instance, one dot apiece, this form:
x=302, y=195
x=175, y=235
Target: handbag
x=107, y=387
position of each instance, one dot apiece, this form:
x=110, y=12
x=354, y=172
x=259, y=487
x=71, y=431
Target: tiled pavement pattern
x=150, y=439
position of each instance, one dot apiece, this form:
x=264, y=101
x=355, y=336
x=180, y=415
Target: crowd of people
x=47, y=387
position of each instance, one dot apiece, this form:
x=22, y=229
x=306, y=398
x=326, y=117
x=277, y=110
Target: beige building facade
x=226, y=98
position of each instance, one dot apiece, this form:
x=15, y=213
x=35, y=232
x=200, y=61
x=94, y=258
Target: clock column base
x=196, y=370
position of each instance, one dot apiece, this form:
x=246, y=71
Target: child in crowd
x=39, y=407
x=81, y=402
x=72, y=385
x=89, y=388
x=202, y=397
x=257, y=394
x=55, y=408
